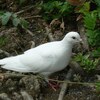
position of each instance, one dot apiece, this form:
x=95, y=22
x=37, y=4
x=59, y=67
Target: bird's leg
x=54, y=85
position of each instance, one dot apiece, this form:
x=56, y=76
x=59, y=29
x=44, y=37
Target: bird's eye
x=74, y=37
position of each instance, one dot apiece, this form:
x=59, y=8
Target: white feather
x=44, y=59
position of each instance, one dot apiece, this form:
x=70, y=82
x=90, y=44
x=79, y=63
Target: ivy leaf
x=5, y=18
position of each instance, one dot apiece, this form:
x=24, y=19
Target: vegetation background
x=25, y=24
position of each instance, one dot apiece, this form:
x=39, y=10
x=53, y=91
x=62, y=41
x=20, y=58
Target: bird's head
x=72, y=37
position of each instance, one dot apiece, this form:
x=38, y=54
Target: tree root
x=74, y=68
x=65, y=84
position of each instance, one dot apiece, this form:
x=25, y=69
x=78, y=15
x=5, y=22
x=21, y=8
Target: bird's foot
x=53, y=85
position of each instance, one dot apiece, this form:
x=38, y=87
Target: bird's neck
x=67, y=44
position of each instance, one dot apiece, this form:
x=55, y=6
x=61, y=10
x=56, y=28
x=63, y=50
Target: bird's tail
x=13, y=63
x=6, y=63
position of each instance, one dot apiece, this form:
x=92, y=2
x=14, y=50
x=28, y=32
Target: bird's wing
x=37, y=62
x=13, y=63
x=44, y=48
x=27, y=63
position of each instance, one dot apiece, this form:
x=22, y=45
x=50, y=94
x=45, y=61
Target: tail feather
x=13, y=63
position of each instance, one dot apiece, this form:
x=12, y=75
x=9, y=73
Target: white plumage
x=44, y=59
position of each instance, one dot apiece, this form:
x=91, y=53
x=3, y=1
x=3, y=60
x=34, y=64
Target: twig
x=18, y=75
x=65, y=84
x=24, y=10
x=49, y=34
x=37, y=16
x=32, y=44
x=74, y=68
x=69, y=82
x=18, y=45
x=12, y=75
x=28, y=31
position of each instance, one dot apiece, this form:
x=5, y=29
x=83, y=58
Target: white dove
x=44, y=59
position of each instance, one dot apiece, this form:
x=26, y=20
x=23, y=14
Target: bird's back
x=46, y=58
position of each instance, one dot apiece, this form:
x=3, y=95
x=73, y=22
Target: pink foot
x=54, y=85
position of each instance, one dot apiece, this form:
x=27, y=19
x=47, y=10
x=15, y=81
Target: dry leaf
x=76, y=2
x=62, y=26
x=79, y=17
x=55, y=22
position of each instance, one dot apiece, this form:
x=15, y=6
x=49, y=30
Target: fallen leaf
x=79, y=17
x=76, y=2
x=55, y=22
x=62, y=25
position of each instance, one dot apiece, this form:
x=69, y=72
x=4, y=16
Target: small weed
x=97, y=84
x=92, y=31
x=90, y=19
x=9, y=16
x=96, y=53
x=56, y=9
x=85, y=62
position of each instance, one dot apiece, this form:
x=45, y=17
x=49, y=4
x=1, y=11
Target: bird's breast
x=61, y=60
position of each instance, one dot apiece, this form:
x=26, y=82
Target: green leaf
x=98, y=12
x=85, y=62
x=55, y=9
x=65, y=8
x=5, y=18
x=14, y=15
x=97, y=84
x=85, y=8
x=57, y=4
x=24, y=23
x=22, y=1
x=97, y=2
x=96, y=53
x=90, y=20
x=1, y=13
x=16, y=21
